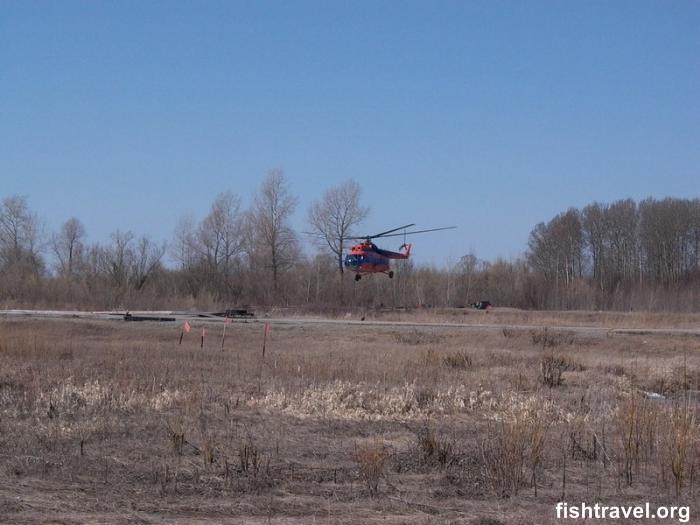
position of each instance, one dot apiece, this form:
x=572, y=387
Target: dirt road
x=175, y=317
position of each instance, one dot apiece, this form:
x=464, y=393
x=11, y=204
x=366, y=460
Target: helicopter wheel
x=391, y=275
x=357, y=277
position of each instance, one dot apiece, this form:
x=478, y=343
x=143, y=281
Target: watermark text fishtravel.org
x=601, y=512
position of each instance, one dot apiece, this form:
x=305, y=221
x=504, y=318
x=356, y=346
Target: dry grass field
x=572, y=318
x=112, y=422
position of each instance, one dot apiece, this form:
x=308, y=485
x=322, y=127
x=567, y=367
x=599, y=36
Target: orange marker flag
x=185, y=328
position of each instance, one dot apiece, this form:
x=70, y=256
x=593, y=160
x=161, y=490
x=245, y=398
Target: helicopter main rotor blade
x=383, y=234
x=420, y=231
x=391, y=231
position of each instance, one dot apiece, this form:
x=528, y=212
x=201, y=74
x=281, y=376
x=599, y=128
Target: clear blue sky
x=491, y=116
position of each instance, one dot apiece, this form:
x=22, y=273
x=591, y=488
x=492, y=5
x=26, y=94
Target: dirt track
x=594, y=331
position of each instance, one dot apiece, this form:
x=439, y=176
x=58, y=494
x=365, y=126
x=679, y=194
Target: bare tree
x=145, y=261
x=209, y=254
x=68, y=247
x=183, y=249
x=270, y=234
x=190, y=275
x=335, y=215
x=556, y=250
x=594, y=222
x=129, y=262
x=219, y=235
x=467, y=267
x=19, y=238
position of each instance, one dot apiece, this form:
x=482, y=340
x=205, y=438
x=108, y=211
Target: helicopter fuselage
x=366, y=257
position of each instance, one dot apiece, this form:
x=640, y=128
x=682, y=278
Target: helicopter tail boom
x=405, y=252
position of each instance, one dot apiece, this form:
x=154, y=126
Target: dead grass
x=544, y=318
x=371, y=459
x=337, y=424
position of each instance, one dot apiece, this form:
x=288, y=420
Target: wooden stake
x=264, y=340
x=223, y=336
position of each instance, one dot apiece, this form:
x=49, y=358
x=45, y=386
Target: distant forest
x=625, y=255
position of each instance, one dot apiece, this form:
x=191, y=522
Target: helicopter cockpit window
x=353, y=260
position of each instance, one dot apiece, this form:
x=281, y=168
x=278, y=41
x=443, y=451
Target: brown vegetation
x=115, y=422
x=625, y=256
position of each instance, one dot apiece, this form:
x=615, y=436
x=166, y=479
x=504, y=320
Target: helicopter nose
x=351, y=262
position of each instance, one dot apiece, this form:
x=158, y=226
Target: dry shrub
x=208, y=450
x=430, y=358
x=583, y=441
x=668, y=381
x=513, y=442
x=371, y=459
x=552, y=366
x=460, y=360
x=417, y=337
x=637, y=426
x=615, y=370
x=432, y=448
x=252, y=461
x=550, y=371
x=486, y=521
x=254, y=468
x=648, y=431
x=208, y=440
x=176, y=434
x=680, y=442
x=568, y=364
x=503, y=451
x=425, y=397
x=510, y=333
x=548, y=339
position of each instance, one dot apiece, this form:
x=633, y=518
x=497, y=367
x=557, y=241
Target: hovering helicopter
x=366, y=257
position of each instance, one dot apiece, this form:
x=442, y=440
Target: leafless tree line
x=624, y=255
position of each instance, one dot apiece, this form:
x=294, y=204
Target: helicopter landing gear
x=391, y=274
x=357, y=277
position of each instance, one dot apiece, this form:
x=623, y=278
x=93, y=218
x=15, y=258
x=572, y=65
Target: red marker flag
x=268, y=328
x=185, y=328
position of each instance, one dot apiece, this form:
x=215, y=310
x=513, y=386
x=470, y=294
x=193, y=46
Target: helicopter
x=367, y=258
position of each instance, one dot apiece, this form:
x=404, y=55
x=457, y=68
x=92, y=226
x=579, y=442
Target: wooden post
x=265, y=331
x=223, y=336
x=264, y=339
